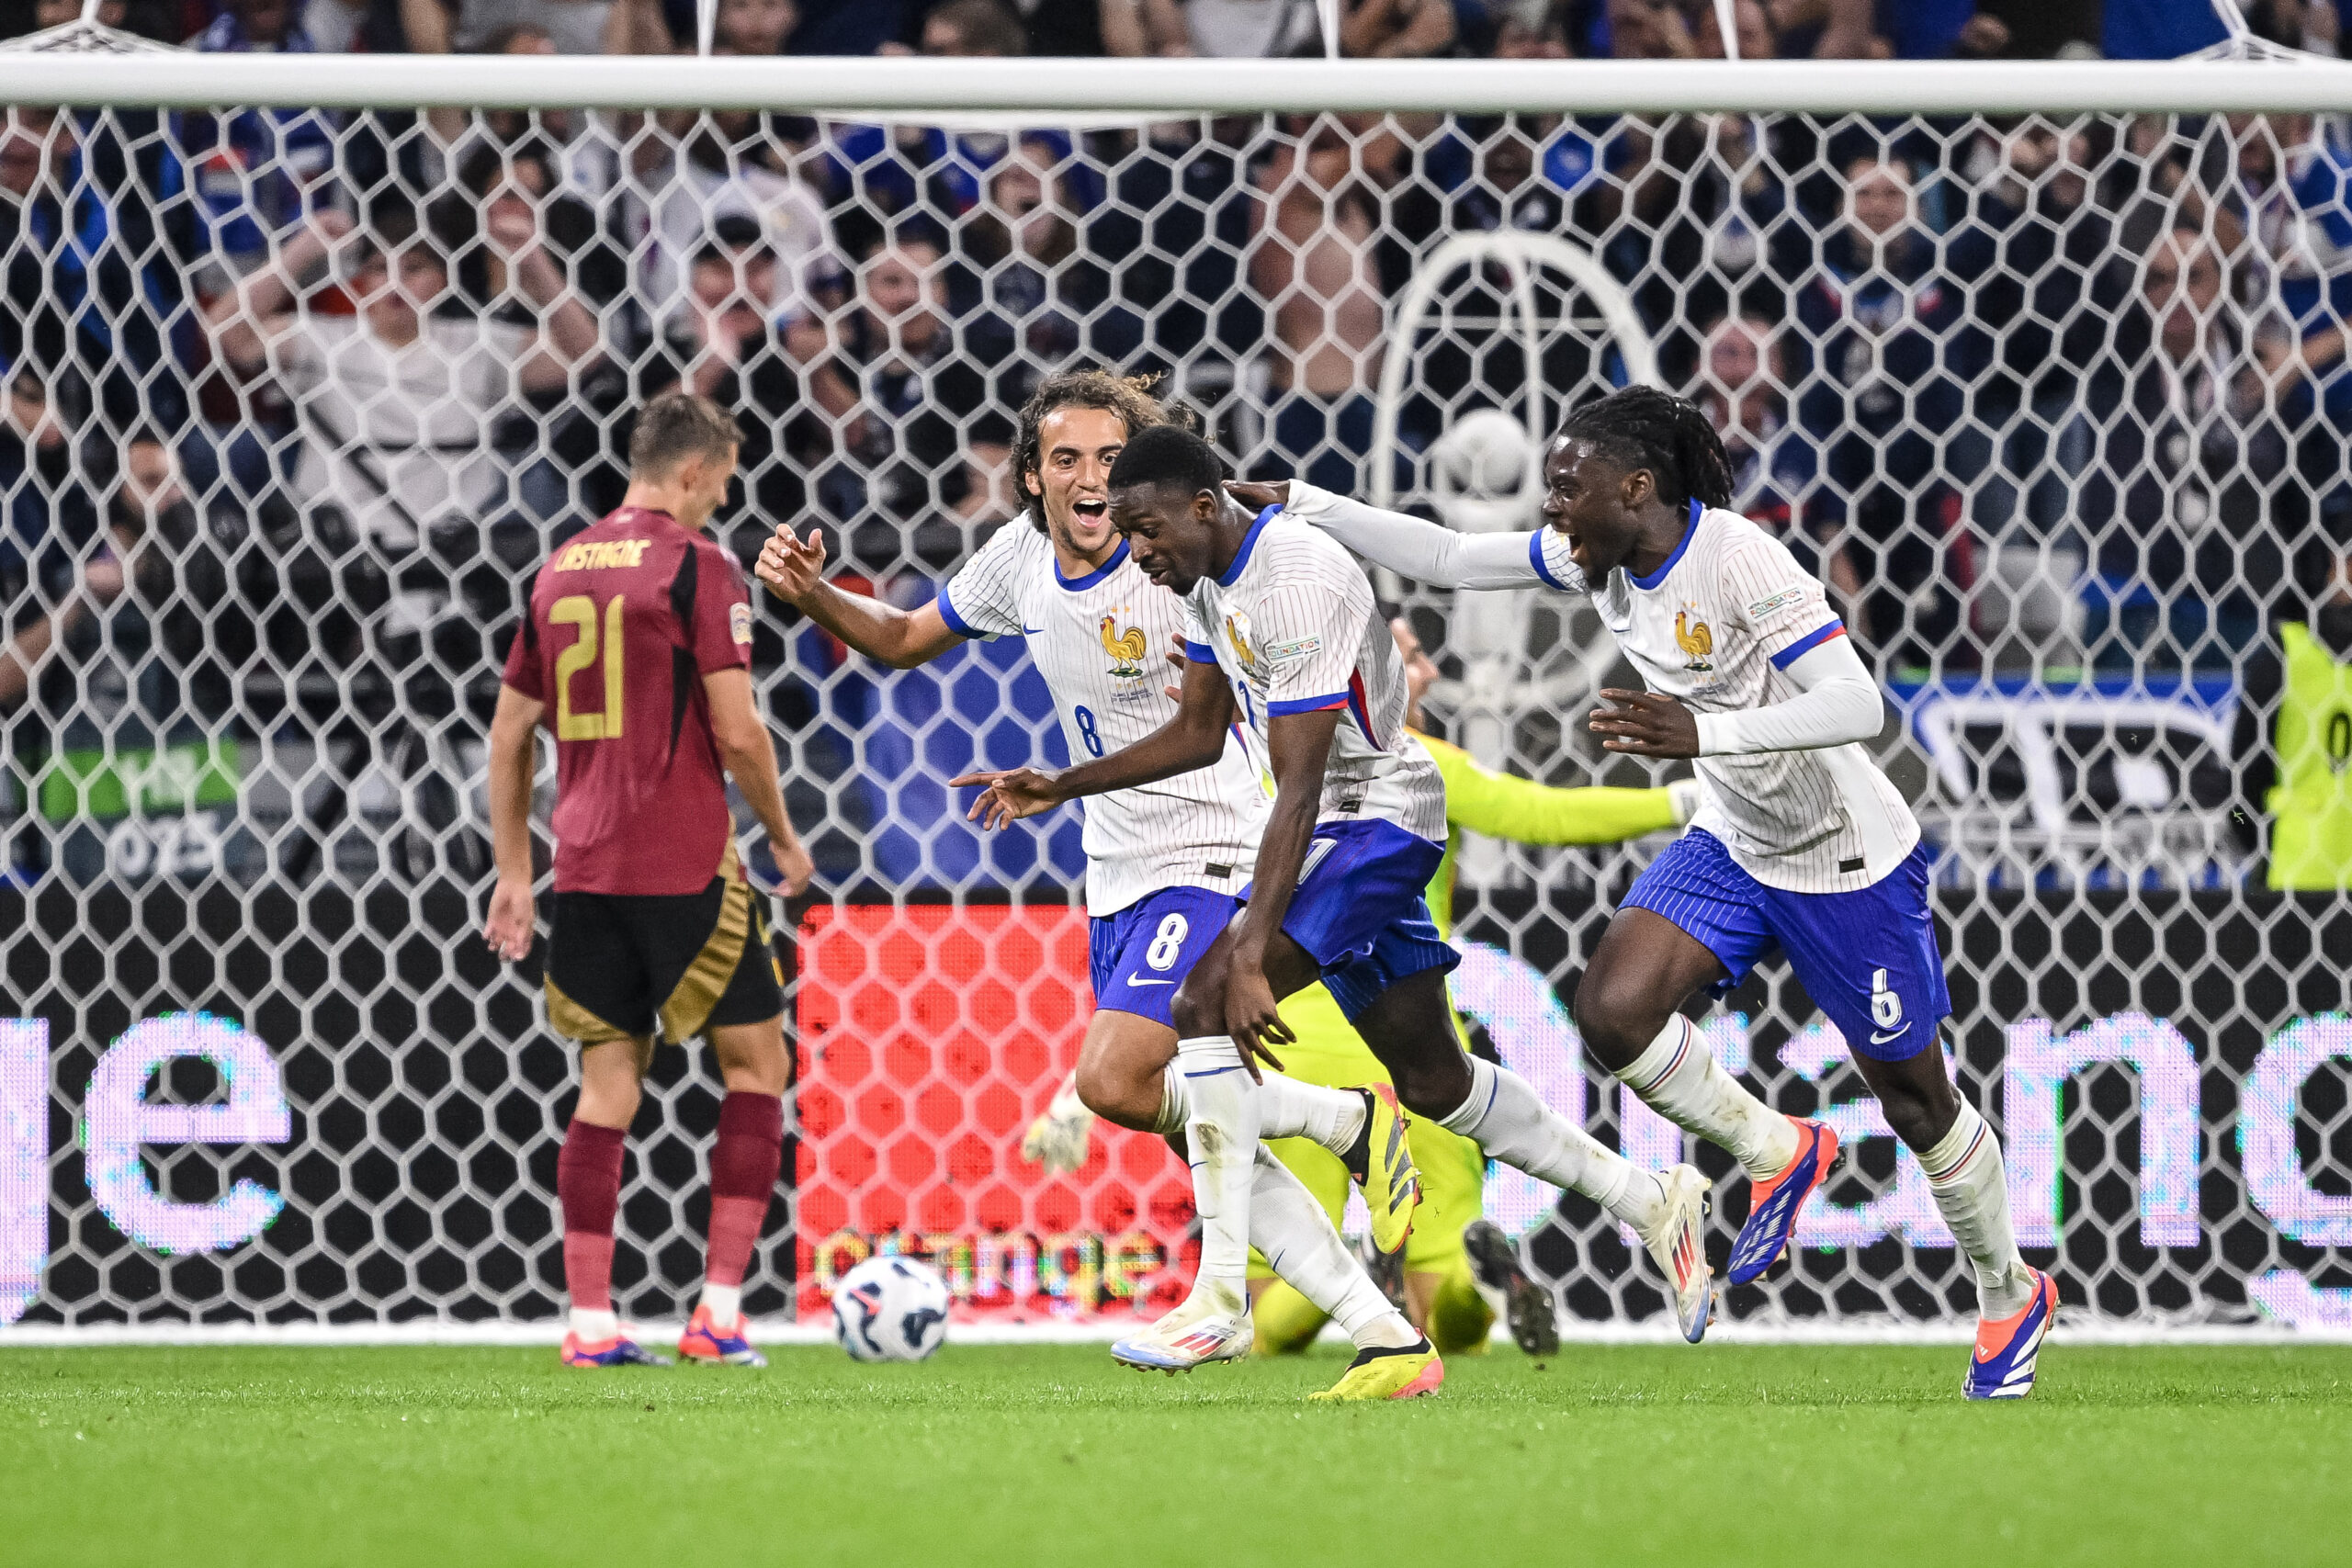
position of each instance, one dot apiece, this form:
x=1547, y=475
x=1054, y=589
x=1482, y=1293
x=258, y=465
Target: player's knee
x=1199, y=1006
x=1616, y=1018
x=1918, y=1111
x=1120, y=1092
x=608, y=1101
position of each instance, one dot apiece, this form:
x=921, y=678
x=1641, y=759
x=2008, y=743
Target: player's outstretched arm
x=1194, y=739
x=1299, y=749
x=1422, y=551
x=749, y=756
x=512, y=757
x=793, y=569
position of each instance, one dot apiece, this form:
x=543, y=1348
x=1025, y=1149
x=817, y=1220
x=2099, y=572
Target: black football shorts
x=619, y=963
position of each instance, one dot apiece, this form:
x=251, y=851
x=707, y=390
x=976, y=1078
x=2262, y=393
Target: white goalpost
x=312, y=358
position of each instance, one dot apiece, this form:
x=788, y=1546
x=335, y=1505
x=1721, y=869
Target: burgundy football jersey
x=626, y=620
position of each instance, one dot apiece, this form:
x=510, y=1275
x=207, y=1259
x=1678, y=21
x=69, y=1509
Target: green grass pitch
x=1048, y=1454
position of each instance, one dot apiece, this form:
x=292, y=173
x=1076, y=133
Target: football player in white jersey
x=1164, y=861
x=1283, y=621
x=1801, y=842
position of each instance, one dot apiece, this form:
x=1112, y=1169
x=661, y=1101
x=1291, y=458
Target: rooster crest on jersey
x=1694, y=639
x=1237, y=631
x=1126, y=650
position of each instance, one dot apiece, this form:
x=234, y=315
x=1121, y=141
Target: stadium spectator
x=1751, y=29
x=2049, y=299
x=1248, y=29
x=894, y=407
x=1775, y=470
x=1944, y=30
x=523, y=183
x=1538, y=34
x=1650, y=29
x=1893, y=346
x=1313, y=262
x=2183, y=491
x=1827, y=29
x=43, y=487
x=700, y=170
x=396, y=402
x=1137, y=30
x=1035, y=298
x=89, y=268
x=258, y=173
x=970, y=28
x=124, y=666
x=1397, y=29
x=756, y=28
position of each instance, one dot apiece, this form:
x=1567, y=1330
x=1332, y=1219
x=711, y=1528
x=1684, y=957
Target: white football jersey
x=1715, y=627
x=1294, y=624
x=1101, y=642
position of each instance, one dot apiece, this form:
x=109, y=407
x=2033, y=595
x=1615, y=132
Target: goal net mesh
x=299, y=400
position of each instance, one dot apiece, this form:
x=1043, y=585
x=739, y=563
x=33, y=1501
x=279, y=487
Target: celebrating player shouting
x=1358, y=826
x=1801, y=842
x=639, y=638
x=1164, y=861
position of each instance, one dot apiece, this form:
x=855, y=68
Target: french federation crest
x=1696, y=641
x=1126, y=649
x=1237, y=632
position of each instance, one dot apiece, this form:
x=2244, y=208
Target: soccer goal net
x=2042, y=370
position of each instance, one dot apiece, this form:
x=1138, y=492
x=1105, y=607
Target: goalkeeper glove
x=1058, y=1139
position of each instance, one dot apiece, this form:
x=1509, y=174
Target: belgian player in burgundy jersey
x=637, y=654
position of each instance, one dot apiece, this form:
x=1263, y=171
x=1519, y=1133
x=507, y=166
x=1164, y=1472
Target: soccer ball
x=890, y=1309
x=1483, y=473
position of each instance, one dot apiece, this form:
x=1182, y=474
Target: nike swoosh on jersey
x=1151, y=982
x=1878, y=1039
x=1032, y=631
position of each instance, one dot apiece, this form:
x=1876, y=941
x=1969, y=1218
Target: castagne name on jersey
x=588, y=555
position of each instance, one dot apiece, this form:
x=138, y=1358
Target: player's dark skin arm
x=1300, y=744
x=1194, y=739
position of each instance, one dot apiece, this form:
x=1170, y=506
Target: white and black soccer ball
x=1485, y=475
x=890, y=1309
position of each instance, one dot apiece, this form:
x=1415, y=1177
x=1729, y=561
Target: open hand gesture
x=790, y=566
x=1006, y=797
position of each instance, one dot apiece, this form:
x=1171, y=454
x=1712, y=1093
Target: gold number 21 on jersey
x=580, y=610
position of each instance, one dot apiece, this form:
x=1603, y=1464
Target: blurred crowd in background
x=296, y=400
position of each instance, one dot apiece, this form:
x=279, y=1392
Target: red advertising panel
x=929, y=1037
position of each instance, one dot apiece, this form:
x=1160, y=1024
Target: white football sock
x=726, y=1303
x=1509, y=1120
x=1289, y=1227
x=1972, y=1192
x=1221, y=1132
x=1680, y=1078
x=1174, y=1103
x=1289, y=1109
x=594, y=1324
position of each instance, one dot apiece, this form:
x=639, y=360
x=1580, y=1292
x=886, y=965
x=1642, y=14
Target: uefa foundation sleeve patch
x=739, y=622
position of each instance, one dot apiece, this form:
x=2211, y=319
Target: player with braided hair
x=1800, y=841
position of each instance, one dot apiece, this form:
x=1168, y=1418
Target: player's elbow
x=1859, y=713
